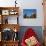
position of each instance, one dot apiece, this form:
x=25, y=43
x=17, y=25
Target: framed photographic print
x=13, y=12
x=5, y=12
x=29, y=13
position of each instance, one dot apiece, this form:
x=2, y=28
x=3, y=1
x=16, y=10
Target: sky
x=29, y=11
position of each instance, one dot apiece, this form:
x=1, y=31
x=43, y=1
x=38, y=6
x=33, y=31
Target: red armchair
x=30, y=34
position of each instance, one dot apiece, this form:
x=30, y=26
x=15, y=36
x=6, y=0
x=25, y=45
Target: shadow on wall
x=37, y=29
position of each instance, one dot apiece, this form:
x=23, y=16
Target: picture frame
x=29, y=13
x=5, y=12
x=13, y=12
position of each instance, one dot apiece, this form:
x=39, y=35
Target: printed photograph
x=29, y=13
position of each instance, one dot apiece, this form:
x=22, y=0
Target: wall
x=27, y=4
x=31, y=4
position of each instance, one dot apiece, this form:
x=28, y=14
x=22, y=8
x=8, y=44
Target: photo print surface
x=29, y=13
